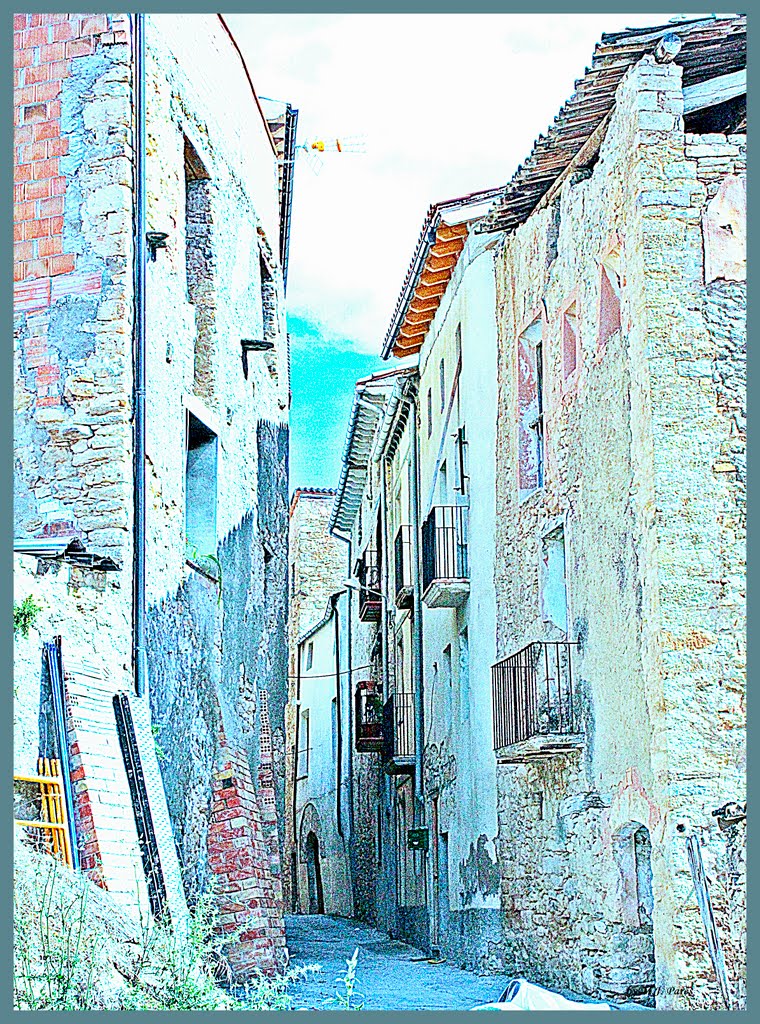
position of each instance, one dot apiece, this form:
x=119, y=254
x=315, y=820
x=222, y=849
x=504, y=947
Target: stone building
x=551, y=726
x=317, y=567
x=618, y=688
x=322, y=770
x=151, y=445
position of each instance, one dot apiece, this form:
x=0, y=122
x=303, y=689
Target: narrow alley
x=390, y=975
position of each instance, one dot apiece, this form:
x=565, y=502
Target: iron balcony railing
x=398, y=727
x=444, y=545
x=403, y=560
x=369, y=716
x=368, y=575
x=533, y=693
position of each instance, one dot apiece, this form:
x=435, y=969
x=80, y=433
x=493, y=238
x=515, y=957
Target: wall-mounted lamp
x=253, y=345
x=156, y=240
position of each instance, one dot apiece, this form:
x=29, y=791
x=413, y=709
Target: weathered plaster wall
x=217, y=624
x=643, y=459
x=458, y=766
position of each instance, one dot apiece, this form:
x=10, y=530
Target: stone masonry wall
x=643, y=450
x=317, y=568
x=217, y=618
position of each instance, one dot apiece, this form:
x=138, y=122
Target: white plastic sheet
x=522, y=995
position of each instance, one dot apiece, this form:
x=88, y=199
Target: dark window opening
x=442, y=383
x=429, y=412
x=570, y=339
x=199, y=267
x=200, y=488
x=268, y=300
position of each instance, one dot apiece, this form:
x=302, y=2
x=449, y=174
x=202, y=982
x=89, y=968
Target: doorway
x=314, y=875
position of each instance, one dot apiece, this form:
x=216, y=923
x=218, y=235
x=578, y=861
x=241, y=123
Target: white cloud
x=449, y=103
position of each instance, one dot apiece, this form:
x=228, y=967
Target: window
x=570, y=339
x=609, y=298
x=442, y=383
x=530, y=409
x=429, y=412
x=303, y=746
x=199, y=268
x=443, y=484
x=309, y=656
x=461, y=461
x=200, y=487
x=552, y=580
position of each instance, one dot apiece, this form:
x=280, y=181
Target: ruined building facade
x=209, y=661
x=547, y=526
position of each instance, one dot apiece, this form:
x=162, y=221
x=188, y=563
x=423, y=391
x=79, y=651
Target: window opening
x=553, y=583
x=309, y=655
x=200, y=487
x=303, y=746
x=442, y=383
x=609, y=298
x=199, y=268
x=530, y=409
x=429, y=412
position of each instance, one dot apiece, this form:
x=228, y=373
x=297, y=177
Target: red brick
x=37, y=189
x=58, y=147
x=58, y=186
x=19, y=21
x=62, y=264
x=52, y=246
x=26, y=94
x=35, y=112
x=54, y=109
x=93, y=24
x=48, y=207
x=51, y=52
x=22, y=172
x=18, y=272
x=23, y=58
x=44, y=169
x=39, y=268
x=31, y=295
x=59, y=19
x=60, y=69
x=37, y=73
x=47, y=374
x=35, y=20
x=47, y=130
x=47, y=90
x=34, y=151
x=23, y=134
x=79, y=47
x=18, y=231
x=63, y=31
x=50, y=400
x=35, y=36
x=76, y=284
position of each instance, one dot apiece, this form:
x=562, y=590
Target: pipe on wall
x=139, y=657
x=419, y=714
x=338, y=723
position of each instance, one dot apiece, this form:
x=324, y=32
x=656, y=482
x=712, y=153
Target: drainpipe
x=419, y=718
x=350, y=674
x=138, y=349
x=295, y=894
x=338, y=725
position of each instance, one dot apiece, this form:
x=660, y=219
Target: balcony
x=369, y=717
x=445, y=564
x=404, y=570
x=368, y=575
x=398, y=734
x=534, y=712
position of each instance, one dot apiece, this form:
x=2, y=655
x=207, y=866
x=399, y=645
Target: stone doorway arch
x=314, y=875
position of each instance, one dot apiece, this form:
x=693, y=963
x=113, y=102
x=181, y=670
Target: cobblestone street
x=390, y=975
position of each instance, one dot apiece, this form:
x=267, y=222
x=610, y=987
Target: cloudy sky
x=444, y=104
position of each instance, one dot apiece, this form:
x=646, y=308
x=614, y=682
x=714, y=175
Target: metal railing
x=533, y=693
x=403, y=560
x=398, y=726
x=444, y=545
x=368, y=575
x=369, y=716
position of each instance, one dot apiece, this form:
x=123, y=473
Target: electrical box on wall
x=417, y=839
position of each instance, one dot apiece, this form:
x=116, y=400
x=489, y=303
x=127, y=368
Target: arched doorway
x=314, y=875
